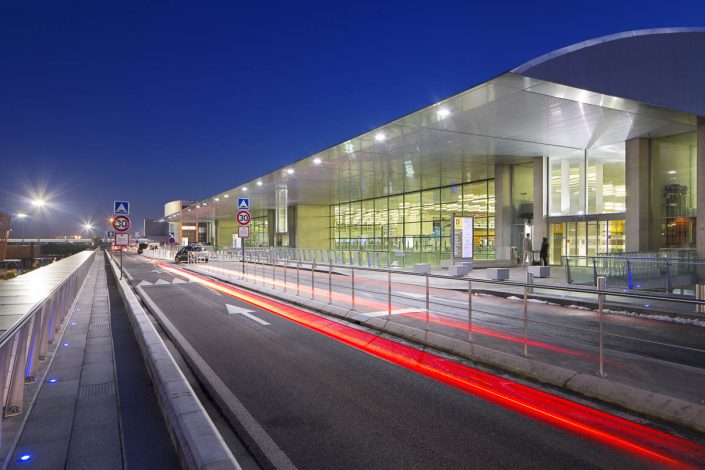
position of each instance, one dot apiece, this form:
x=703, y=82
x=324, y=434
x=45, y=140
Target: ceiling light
x=244, y=188
x=672, y=172
x=290, y=171
x=217, y=199
x=443, y=113
x=259, y=183
x=380, y=137
x=317, y=161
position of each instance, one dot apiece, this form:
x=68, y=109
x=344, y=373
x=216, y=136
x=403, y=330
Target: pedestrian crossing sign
x=122, y=208
x=243, y=204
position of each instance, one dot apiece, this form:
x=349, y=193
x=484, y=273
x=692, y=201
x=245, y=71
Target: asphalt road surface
x=328, y=405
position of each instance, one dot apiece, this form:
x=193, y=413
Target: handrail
x=27, y=340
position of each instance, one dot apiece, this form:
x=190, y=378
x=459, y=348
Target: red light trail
x=594, y=424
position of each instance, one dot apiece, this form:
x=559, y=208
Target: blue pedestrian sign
x=111, y=234
x=243, y=203
x=122, y=208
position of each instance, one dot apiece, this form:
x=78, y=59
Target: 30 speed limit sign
x=243, y=217
x=121, y=223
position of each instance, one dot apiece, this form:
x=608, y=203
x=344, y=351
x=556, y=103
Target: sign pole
x=121, y=262
x=243, y=258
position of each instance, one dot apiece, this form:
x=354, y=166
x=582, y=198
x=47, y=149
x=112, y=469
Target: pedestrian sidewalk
x=95, y=408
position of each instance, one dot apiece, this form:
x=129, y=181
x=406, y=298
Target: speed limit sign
x=121, y=223
x=243, y=217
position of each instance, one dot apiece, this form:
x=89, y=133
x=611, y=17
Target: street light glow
x=38, y=202
x=21, y=215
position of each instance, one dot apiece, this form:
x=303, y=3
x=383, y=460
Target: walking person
x=527, y=246
x=544, y=252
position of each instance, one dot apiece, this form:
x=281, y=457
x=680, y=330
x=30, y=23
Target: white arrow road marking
x=178, y=281
x=144, y=283
x=161, y=282
x=397, y=311
x=248, y=313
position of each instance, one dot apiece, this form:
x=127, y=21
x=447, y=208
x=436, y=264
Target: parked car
x=194, y=253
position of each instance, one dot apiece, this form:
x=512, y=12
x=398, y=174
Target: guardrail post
x=470, y=311
x=389, y=295
x=669, y=280
x=352, y=281
x=630, y=280
x=313, y=279
x=330, y=280
x=700, y=295
x=601, y=286
x=526, y=320
x=428, y=306
x=566, y=262
x=286, y=268
x=15, y=394
x=594, y=272
x=298, y=264
x=530, y=281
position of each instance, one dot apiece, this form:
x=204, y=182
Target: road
x=325, y=404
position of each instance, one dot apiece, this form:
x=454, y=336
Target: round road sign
x=243, y=217
x=172, y=240
x=121, y=223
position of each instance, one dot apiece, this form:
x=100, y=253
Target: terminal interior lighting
x=380, y=137
x=443, y=113
x=317, y=161
x=259, y=183
x=290, y=171
x=244, y=188
x=672, y=172
x=217, y=199
x=226, y=195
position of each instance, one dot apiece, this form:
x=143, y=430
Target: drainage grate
x=99, y=326
x=96, y=390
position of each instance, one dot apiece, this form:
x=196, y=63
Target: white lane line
x=144, y=283
x=232, y=309
x=161, y=282
x=396, y=311
x=178, y=281
x=252, y=428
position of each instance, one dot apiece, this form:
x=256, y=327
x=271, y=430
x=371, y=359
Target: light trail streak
x=596, y=425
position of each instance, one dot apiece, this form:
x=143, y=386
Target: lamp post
x=21, y=216
x=38, y=203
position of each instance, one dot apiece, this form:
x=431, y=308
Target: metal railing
x=659, y=274
x=459, y=309
x=51, y=290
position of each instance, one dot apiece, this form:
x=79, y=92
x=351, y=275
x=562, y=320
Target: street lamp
x=21, y=216
x=38, y=203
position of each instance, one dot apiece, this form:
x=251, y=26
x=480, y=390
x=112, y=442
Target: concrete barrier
x=497, y=274
x=199, y=443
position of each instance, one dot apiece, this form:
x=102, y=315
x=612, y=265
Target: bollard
x=601, y=286
x=470, y=311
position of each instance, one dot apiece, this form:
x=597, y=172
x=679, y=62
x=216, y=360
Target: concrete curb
x=655, y=405
x=199, y=443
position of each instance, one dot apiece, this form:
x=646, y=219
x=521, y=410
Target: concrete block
x=446, y=263
x=468, y=264
x=497, y=274
x=457, y=270
x=540, y=271
x=422, y=268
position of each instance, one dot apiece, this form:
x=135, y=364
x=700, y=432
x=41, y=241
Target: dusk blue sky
x=155, y=101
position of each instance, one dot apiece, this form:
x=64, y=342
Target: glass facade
x=415, y=226
x=674, y=191
x=590, y=182
x=259, y=232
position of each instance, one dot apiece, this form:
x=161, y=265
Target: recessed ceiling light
x=244, y=188
x=226, y=195
x=217, y=199
x=443, y=113
x=317, y=161
x=259, y=183
x=672, y=172
x=290, y=171
x=380, y=137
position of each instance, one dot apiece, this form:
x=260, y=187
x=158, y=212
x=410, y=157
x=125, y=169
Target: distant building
x=599, y=147
x=4, y=233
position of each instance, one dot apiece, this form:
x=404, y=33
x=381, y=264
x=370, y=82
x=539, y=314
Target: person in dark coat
x=544, y=252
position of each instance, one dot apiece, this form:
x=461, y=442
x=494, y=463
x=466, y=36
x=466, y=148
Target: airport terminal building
x=599, y=147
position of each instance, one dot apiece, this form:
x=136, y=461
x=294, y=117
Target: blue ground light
x=52, y=380
x=24, y=458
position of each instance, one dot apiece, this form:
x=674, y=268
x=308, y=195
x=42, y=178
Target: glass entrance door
x=585, y=238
